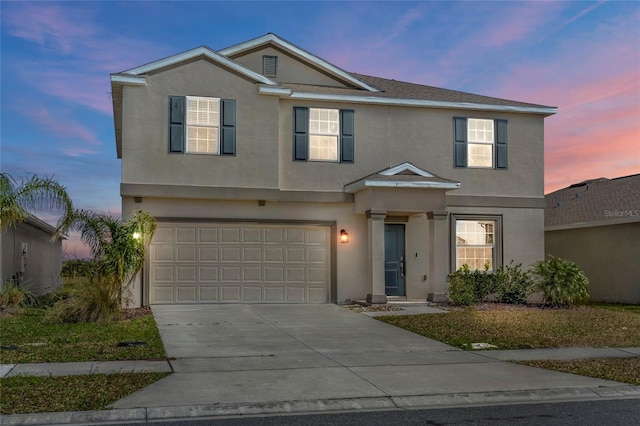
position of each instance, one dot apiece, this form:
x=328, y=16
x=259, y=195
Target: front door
x=394, y=260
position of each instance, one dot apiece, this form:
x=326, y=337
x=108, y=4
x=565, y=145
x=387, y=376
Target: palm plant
x=118, y=247
x=18, y=198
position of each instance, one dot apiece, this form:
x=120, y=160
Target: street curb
x=145, y=415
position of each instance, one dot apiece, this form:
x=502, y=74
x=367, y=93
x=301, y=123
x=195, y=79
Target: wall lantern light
x=344, y=237
x=136, y=235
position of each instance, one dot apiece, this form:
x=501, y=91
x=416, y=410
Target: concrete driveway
x=277, y=354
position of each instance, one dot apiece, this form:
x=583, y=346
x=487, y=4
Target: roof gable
x=273, y=40
x=405, y=175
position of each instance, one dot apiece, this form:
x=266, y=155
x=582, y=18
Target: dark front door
x=394, y=260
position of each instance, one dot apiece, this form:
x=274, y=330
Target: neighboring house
x=31, y=256
x=596, y=224
x=259, y=159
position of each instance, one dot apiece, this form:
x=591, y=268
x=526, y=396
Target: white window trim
x=497, y=237
x=491, y=143
x=210, y=126
x=337, y=136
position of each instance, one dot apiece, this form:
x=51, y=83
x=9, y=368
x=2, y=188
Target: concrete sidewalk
x=270, y=359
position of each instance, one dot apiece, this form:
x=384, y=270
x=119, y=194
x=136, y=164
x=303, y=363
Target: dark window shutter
x=347, y=135
x=300, y=133
x=176, y=123
x=460, y=141
x=501, y=144
x=228, y=126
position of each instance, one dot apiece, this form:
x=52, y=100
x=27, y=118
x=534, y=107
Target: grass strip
x=69, y=393
x=41, y=342
x=626, y=370
x=524, y=328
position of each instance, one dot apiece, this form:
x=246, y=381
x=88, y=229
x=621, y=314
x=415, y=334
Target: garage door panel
x=239, y=263
x=163, y=273
x=230, y=273
x=252, y=254
x=230, y=254
x=209, y=274
x=208, y=294
x=186, y=254
x=208, y=254
x=186, y=235
x=162, y=253
x=186, y=274
x=186, y=294
x=207, y=235
x=231, y=293
x=273, y=294
x=252, y=235
x=230, y=235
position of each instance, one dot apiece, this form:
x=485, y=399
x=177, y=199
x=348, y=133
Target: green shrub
x=76, y=268
x=98, y=301
x=15, y=292
x=512, y=285
x=561, y=282
x=468, y=287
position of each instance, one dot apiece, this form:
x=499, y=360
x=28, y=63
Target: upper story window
x=322, y=134
x=480, y=143
x=202, y=125
x=203, y=122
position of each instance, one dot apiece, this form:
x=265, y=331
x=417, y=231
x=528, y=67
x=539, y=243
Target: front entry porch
x=408, y=232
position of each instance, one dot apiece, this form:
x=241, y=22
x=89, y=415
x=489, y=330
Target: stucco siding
x=386, y=136
x=146, y=157
x=608, y=255
x=290, y=69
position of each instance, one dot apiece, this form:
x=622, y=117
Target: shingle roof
x=394, y=89
x=594, y=200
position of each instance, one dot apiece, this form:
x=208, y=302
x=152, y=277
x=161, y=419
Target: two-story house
x=277, y=176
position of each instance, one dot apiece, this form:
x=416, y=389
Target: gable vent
x=270, y=66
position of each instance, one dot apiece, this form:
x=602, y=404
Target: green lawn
x=41, y=342
x=69, y=393
x=516, y=328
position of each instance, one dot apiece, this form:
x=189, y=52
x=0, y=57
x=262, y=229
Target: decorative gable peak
x=406, y=169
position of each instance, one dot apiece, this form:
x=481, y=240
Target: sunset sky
x=582, y=57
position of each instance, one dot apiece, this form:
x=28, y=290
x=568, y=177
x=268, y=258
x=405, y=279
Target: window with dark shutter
x=322, y=134
x=202, y=125
x=479, y=143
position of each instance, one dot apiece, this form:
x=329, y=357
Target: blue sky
x=582, y=57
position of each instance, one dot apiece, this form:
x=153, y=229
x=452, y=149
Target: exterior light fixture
x=344, y=237
x=136, y=235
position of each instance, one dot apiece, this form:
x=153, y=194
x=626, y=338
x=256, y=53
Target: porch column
x=439, y=255
x=375, y=264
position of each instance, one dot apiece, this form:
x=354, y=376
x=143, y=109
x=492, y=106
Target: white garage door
x=242, y=263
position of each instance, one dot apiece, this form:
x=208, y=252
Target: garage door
x=242, y=263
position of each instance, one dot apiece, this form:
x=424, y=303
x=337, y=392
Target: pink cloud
x=80, y=139
x=90, y=52
x=49, y=25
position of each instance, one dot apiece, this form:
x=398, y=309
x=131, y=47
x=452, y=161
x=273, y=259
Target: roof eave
x=364, y=184
x=546, y=111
